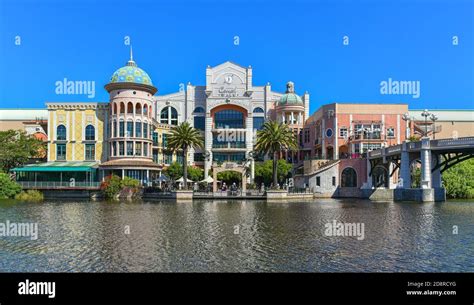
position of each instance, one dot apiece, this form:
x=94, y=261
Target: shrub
x=129, y=182
x=111, y=186
x=30, y=195
x=8, y=187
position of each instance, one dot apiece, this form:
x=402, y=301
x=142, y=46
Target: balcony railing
x=58, y=185
x=229, y=145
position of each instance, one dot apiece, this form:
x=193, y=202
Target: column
x=336, y=138
x=391, y=184
x=300, y=118
x=207, y=144
x=436, y=175
x=405, y=173
x=323, y=139
x=369, y=176
x=292, y=118
x=249, y=142
x=425, y=155
x=214, y=183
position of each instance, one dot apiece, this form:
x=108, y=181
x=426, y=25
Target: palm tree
x=273, y=138
x=183, y=137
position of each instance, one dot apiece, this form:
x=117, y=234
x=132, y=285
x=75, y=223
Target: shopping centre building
x=128, y=134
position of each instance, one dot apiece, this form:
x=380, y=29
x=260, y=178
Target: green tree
x=459, y=180
x=16, y=148
x=183, y=137
x=8, y=187
x=174, y=171
x=416, y=177
x=264, y=171
x=229, y=177
x=273, y=138
x=195, y=173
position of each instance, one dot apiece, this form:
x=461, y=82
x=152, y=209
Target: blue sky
x=301, y=41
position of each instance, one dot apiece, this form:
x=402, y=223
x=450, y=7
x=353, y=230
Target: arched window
x=90, y=133
x=129, y=107
x=122, y=108
x=229, y=118
x=129, y=129
x=169, y=115
x=258, y=110
x=199, y=122
x=61, y=133
x=349, y=177
x=138, y=129
x=115, y=108
x=138, y=108
x=198, y=110
x=145, y=109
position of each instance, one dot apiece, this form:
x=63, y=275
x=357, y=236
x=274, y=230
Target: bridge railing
x=464, y=141
x=58, y=185
x=416, y=146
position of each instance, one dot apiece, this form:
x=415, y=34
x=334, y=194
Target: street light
x=426, y=114
x=407, y=118
x=434, y=118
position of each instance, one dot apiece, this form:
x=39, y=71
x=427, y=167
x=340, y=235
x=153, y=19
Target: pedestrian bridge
x=435, y=156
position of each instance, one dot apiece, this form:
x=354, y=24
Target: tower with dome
x=131, y=124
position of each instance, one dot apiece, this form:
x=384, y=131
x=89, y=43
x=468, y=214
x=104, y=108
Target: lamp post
x=407, y=118
x=434, y=118
x=426, y=114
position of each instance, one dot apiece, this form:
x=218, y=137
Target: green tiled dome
x=290, y=97
x=131, y=74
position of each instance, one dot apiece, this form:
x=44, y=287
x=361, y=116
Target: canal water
x=238, y=236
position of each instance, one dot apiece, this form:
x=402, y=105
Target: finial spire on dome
x=131, y=62
x=290, y=87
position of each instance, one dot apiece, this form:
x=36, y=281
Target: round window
x=329, y=132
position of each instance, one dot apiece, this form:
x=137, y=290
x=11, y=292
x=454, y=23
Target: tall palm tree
x=273, y=138
x=183, y=137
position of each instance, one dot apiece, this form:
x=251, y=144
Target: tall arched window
x=129, y=129
x=229, y=118
x=169, y=115
x=138, y=108
x=122, y=108
x=115, y=108
x=129, y=107
x=349, y=177
x=61, y=133
x=199, y=122
x=138, y=129
x=258, y=110
x=145, y=109
x=90, y=133
x=198, y=110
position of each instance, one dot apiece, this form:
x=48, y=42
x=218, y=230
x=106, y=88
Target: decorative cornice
x=76, y=106
x=116, y=86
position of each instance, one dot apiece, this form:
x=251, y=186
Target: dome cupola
x=290, y=97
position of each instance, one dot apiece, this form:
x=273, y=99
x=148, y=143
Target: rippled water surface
x=83, y=236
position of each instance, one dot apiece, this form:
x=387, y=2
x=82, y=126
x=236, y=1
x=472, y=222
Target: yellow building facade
x=76, y=131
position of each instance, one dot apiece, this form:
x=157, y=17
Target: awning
x=73, y=166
